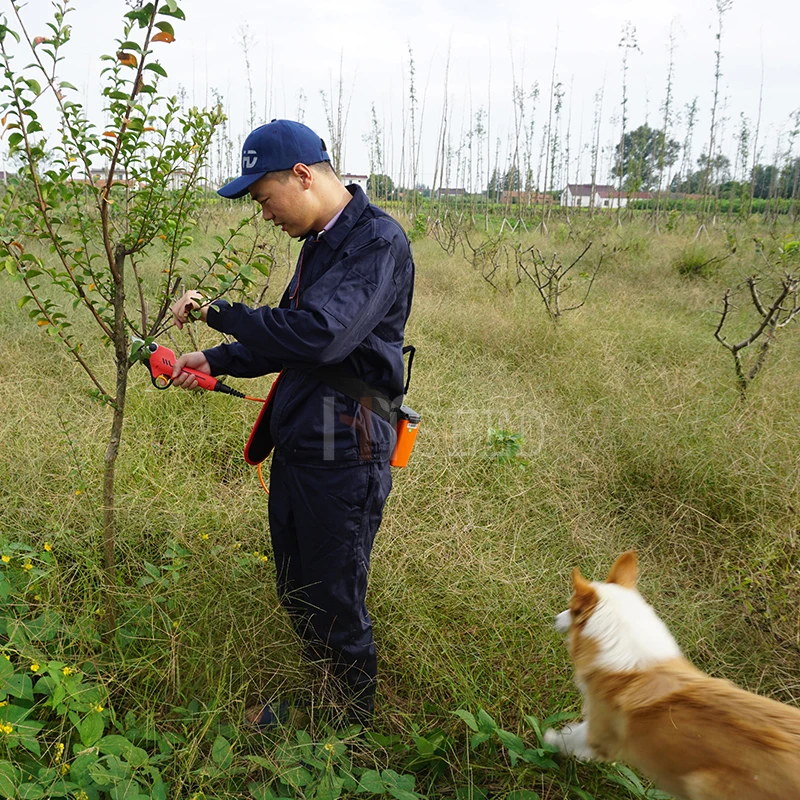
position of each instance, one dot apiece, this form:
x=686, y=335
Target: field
x=543, y=446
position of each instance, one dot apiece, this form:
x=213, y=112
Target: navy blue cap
x=276, y=146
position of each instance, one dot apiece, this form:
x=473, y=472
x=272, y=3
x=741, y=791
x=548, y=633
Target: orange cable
x=260, y=476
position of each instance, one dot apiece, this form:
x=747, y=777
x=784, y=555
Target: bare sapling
x=723, y=6
x=337, y=110
x=449, y=227
x=495, y=261
x=553, y=279
x=773, y=294
x=628, y=42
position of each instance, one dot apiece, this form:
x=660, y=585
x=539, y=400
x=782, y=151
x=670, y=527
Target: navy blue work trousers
x=323, y=522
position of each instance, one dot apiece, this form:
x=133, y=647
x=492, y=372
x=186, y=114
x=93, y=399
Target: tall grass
x=634, y=436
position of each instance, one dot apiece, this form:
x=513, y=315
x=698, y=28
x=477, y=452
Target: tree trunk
x=112, y=451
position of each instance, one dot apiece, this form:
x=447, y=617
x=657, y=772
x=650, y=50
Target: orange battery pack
x=407, y=428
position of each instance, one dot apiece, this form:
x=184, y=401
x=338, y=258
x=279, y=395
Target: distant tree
x=494, y=187
x=379, y=185
x=639, y=154
x=717, y=173
x=763, y=178
x=713, y=171
x=512, y=180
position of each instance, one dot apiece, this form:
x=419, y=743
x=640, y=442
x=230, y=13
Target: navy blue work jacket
x=350, y=308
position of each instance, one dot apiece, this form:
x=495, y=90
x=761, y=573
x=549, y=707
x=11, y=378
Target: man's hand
x=185, y=380
x=191, y=301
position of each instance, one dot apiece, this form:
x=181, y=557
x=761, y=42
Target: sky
x=478, y=50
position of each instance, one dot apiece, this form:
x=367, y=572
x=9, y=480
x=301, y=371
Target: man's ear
x=304, y=173
x=584, y=597
x=625, y=570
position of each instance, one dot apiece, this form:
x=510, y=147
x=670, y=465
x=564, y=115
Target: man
x=341, y=317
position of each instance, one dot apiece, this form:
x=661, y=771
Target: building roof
x=585, y=189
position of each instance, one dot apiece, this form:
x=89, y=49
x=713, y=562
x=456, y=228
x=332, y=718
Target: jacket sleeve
x=338, y=311
x=239, y=362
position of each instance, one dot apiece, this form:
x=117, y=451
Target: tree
x=379, y=185
x=79, y=246
x=763, y=179
x=640, y=154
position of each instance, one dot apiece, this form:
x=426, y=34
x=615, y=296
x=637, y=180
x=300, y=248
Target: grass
x=633, y=435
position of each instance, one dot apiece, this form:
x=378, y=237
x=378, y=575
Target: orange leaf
x=91, y=287
x=163, y=36
x=110, y=133
x=148, y=128
x=15, y=243
x=3, y=121
x=42, y=322
x=128, y=59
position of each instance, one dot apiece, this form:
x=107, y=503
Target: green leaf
x=478, y=739
x=30, y=791
x=157, y=68
x=468, y=718
x=6, y=671
x=371, y=782
x=297, y=777
x=171, y=10
x=9, y=777
x=222, y=752
x=20, y=303
x=471, y=793
x=91, y=728
x=165, y=26
x=15, y=138
x=485, y=723
x=511, y=741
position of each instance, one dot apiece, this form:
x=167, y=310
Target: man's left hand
x=191, y=301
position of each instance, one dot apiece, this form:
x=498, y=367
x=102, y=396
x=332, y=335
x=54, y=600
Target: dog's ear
x=625, y=570
x=584, y=597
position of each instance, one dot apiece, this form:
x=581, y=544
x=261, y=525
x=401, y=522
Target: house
x=580, y=195
x=360, y=180
x=446, y=191
x=516, y=197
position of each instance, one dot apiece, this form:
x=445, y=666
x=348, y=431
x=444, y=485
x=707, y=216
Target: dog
x=694, y=736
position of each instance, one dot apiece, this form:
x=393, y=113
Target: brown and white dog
x=697, y=737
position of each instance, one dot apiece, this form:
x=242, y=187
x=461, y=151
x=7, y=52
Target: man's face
x=285, y=201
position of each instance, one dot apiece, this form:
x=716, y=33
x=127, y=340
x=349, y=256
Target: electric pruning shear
x=160, y=362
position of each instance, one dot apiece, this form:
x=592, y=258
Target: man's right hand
x=185, y=380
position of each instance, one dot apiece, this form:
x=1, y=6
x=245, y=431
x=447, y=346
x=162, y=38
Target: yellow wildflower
x=3, y=703
x=34, y=667
x=37, y=598
x=98, y=708
x=59, y=752
x=48, y=547
x=68, y=671
x=204, y=536
x=64, y=769
x=6, y=728
x=77, y=492
x=175, y=624
x=6, y=559
x=7, y=656
x=27, y=565
x=263, y=558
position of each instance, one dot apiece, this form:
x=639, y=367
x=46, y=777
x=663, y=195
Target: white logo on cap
x=249, y=158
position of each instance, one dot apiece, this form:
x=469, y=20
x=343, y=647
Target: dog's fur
x=697, y=737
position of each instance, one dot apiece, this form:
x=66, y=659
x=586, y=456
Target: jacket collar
x=349, y=216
